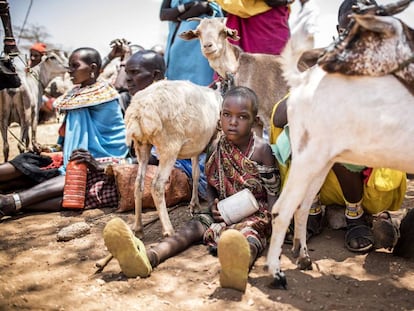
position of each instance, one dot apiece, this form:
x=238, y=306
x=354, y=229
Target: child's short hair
x=243, y=91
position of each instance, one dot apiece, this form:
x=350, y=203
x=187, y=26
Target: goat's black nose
x=208, y=45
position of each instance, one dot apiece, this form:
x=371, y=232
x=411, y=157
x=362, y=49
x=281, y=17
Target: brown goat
x=260, y=72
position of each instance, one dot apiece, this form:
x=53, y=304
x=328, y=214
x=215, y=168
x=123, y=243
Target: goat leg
x=143, y=152
x=164, y=169
x=195, y=203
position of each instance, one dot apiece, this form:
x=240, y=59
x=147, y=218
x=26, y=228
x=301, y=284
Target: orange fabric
x=40, y=47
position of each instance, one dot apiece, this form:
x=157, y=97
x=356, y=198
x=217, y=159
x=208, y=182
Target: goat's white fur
x=179, y=118
x=335, y=118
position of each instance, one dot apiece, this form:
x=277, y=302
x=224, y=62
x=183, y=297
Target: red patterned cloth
x=57, y=160
x=229, y=170
x=100, y=191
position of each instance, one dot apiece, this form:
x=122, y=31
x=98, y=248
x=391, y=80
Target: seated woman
x=236, y=160
x=88, y=107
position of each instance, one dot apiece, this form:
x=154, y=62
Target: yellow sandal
x=126, y=248
x=234, y=256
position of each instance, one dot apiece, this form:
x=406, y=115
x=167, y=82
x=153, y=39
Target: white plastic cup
x=238, y=206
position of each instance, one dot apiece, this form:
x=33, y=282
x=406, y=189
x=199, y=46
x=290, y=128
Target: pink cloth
x=267, y=32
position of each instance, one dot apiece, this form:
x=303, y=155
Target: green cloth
x=281, y=149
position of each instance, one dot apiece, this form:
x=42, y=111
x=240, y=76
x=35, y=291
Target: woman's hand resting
x=84, y=156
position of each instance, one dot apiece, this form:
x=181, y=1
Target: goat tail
x=132, y=128
x=141, y=125
x=129, y=136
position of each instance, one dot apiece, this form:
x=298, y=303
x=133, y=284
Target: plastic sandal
x=385, y=232
x=126, y=248
x=355, y=232
x=234, y=256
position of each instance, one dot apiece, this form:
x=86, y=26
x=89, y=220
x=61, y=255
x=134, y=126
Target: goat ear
x=232, y=33
x=381, y=24
x=188, y=35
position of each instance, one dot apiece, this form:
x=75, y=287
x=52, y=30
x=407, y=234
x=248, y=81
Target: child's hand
x=215, y=212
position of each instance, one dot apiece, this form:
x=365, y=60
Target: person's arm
x=277, y=3
x=167, y=13
x=280, y=115
x=10, y=46
x=197, y=9
x=183, y=11
x=84, y=156
x=119, y=48
x=212, y=200
x=263, y=155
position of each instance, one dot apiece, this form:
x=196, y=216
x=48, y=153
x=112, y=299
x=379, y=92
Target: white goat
x=22, y=104
x=179, y=118
x=333, y=117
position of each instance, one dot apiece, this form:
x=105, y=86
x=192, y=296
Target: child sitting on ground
x=236, y=160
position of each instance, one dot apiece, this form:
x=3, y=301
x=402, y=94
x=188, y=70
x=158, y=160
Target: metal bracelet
x=181, y=8
x=17, y=201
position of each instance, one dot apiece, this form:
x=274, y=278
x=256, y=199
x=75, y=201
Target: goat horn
x=394, y=8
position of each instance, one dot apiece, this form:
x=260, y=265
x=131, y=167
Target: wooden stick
x=102, y=263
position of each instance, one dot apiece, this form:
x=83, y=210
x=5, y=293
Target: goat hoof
x=279, y=281
x=304, y=263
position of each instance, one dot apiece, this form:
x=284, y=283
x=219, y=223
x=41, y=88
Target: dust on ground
x=39, y=273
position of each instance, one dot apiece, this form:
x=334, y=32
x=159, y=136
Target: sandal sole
x=126, y=248
x=234, y=256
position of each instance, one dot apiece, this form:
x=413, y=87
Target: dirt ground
x=39, y=273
